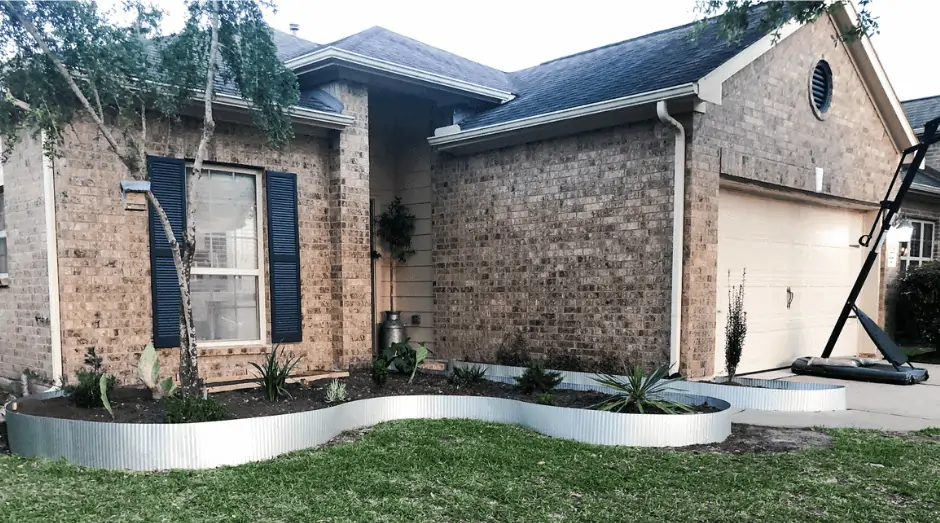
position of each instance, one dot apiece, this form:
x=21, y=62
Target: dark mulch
x=753, y=438
x=133, y=405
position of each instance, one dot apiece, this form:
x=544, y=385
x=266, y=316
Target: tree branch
x=33, y=32
x=16, y=101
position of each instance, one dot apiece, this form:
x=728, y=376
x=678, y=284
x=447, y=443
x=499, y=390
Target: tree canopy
x=734, y=15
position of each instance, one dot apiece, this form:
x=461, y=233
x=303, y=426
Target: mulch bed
x=133, y=405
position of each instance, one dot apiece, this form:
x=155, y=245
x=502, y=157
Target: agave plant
x=639, y=390
x=272, y=376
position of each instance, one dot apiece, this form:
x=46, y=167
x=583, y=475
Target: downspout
x=678, y=240
x=52, y=267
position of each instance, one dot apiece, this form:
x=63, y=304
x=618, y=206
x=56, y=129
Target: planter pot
x=392, y=330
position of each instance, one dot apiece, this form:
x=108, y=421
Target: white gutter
x=383, y=66
x=312, y=116
x=452, y=136
x=52, y=267
x=678, y=237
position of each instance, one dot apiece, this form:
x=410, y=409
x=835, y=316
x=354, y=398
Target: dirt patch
x=753, y=438
x=133, y=405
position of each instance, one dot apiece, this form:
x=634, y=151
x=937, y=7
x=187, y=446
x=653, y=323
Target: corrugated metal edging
x=233, y=442
x=772, y=395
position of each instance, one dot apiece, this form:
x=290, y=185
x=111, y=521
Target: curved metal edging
x=772, y=395
x=234, y=442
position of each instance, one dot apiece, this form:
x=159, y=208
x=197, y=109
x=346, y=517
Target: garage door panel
x=785, y=245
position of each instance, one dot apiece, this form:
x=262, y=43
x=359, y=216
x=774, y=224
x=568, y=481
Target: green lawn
x=470, y=471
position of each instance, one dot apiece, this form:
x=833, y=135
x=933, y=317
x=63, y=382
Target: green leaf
x=148, y=367
x=103, y=384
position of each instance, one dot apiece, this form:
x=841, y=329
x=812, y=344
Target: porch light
x=901, y=229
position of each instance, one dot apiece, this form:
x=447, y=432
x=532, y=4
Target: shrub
x=90, y=382
x=406, y=358
x=513, y=350
x=736, y=326
x=380, y=372
x=336, y=392
x=537, y=379
x=546, y=399
x=467, y=376
x=273, y=375
x=918, y=305
x=639, y=391
x=186, y=408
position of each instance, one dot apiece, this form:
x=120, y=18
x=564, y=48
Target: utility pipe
x=678, y=219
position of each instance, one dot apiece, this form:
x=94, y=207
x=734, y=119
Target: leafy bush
x=336, y=392
x=467, y=376
x=639, y=391
x=186, y=408
x=537, y=379
x=406, y=358
x=86, y=393
x=918, y=305
x=379, y=372
x=513, y=351
x=546, y=399
x=736, y=326
x=273, y=375
x=567, y=360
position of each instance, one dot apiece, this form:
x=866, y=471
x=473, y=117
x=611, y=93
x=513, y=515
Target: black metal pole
x=930, y=130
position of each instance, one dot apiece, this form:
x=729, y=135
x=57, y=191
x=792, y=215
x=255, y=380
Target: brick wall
x=567, y=239
x=104, y=253
x=766, y=131
x=25, y=341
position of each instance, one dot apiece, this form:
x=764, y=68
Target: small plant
x=468, y=376
x=513, y=350
x=103, y=385
x=406, y=358
x=272, y=376
x=379, y=372
x=336, y=392
x=546, y=399
x=537, y=379
x=148, y=372
x=639, y=391
x=736, y=327
x=186, y=408
x=90, y=382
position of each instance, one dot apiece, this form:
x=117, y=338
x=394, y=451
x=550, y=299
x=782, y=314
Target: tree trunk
x=391, y=284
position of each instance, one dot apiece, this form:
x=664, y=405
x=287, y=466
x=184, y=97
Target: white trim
x=920, y=258
x=312, y=116
x=919, y=187
x=52, y=267
x=678, y=236
x=333, y=53
x=710, y=85
x=481, y=133
x=256, y=273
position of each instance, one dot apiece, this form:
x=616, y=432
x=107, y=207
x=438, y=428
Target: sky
x=512, y=35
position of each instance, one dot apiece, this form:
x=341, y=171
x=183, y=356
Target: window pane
x=915, y=241
x=903, y=266
x=3, y=256
x=3, y=219
x=226, y=307
x=226, y=221
x=928, y=240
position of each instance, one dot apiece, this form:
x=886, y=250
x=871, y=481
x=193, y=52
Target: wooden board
x=227, y=384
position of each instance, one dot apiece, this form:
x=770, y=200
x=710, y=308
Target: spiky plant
x=736, y=327
x=468, y=376
x=336, y=392
x=273, y=374
x=639, y=390
x=537, y=379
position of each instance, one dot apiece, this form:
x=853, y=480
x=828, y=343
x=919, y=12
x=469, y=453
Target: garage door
x=800, y=267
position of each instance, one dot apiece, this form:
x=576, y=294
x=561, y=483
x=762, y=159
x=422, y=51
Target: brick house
x=546, y=202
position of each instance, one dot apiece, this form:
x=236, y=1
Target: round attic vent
x=820, y=87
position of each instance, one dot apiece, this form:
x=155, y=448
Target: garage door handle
x=789, y=298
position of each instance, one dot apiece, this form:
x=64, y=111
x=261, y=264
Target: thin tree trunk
x=391, y=284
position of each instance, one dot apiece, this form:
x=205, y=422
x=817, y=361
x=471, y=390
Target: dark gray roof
x=651, y=62
x=380, y=43
x=290, y=46
x=921, y=110
x=928, y=176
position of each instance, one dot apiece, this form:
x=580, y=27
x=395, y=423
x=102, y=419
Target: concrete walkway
x=870, y=405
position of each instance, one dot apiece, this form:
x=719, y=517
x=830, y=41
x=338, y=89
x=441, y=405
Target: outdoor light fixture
x=901, y=229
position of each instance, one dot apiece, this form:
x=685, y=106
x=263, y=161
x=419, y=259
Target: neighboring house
x=546, y=201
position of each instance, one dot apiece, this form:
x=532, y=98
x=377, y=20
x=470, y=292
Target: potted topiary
x=394, y=228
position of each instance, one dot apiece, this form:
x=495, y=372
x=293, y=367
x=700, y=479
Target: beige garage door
x=800, y=267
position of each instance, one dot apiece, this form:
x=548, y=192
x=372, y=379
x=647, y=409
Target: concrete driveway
x=870, y=405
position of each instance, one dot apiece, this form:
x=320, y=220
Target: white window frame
x=258, y=272
x=920, y=258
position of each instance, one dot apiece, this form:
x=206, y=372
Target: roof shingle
x=921, y=110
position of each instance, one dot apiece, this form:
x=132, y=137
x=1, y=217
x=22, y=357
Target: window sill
x=231, y=344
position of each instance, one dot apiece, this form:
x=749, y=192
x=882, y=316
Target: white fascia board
x=876, y=80
x=918, y=187
x=311, y=116
x=454, y=139
x=710, y=84
x=333, y=53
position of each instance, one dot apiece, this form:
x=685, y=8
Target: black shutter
x=168, y=184
x=284, y=257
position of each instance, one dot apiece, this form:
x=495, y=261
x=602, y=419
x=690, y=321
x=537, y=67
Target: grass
x=463, y=471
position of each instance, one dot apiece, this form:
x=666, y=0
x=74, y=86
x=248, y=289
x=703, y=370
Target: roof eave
x=926, y=189
x=300, y=115
x=450, y=138
x=326, y=56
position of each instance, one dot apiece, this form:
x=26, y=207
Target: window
x=228, y=304
x=820, y=87
x=3, y=239
x=920, y=249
